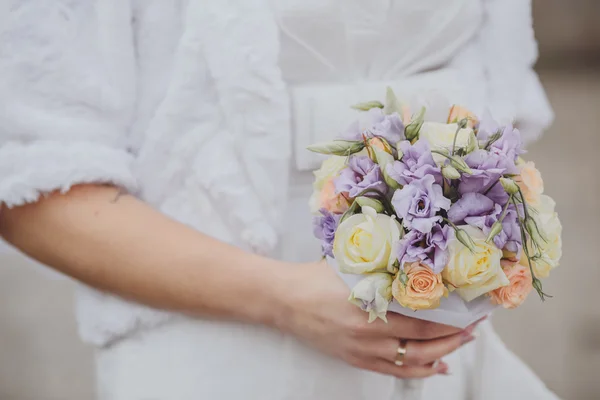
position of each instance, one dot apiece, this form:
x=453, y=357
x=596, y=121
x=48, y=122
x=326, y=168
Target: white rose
x=551, y=250
x=441, y=136
x=475, y=273
x=366, y=243
x=329, y=170
x=373, y=295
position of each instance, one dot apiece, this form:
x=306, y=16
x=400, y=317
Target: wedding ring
x=401, y=353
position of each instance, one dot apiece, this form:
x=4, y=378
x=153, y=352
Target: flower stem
x=461, y=124
x=536, y=283
x=491, y=187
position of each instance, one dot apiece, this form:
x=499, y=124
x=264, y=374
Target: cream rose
x=366, y=243
x=513, y=295
x=423, y=290
x=531, y=183
x=329, y=170
x=441, y=136
x=551, y=250
x=373, y=295
x=475, y=273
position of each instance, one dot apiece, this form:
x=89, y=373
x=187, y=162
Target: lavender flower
x=429, y=249
x=480, y=211
x=510, y=236
x=487, y=169
x=487, y=127
x=362, y=174
x=324, y=229
x=510, y=143
x=388, y=127
x=419, y=202
x=417, y=161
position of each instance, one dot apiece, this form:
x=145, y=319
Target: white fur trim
x=30, y=170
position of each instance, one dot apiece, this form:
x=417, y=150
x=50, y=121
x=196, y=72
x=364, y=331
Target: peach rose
x=459, y=112
x=406, y=115
x=424, y=289
x=513, y=295
x=331, y=201
x=380, y=144
x=531, y=183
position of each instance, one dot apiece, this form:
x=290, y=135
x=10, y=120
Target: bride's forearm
x=119, y=244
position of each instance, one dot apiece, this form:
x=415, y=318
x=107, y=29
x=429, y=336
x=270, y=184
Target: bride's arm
x=117, y=243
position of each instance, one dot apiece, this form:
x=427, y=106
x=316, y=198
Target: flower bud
x=465, y=239
x=381, y=144
x=460, y=165
x=472, y=144
x=458, y=113
x=384, y=159
x=400, y=153
x=449, y=172
x=392, y=105
x=337, y=147
x=412, y=130
x=495, y=231
x=462, y=124
x=535, y=233
x=364, y=201
x=509, y=186
x=368, y=105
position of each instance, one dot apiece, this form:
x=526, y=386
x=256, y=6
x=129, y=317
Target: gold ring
x=401, y=353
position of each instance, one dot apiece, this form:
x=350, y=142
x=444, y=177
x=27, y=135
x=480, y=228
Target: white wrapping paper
x=452, y=311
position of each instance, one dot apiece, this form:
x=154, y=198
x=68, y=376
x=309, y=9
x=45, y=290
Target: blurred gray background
x=41, y=357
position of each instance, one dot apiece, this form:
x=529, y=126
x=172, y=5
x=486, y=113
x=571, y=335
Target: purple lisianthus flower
x=510, y=236
x=419, y=202
x=417, y=162
x=468, y=205
x=429, y=249
x=362, y=174
x=510, y=143
x=388, y=127
x=480, y=211
x=324, y=229
x=487, y=169
x=487, y=126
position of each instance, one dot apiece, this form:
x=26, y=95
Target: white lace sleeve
x=63, y=115
x=509, y=51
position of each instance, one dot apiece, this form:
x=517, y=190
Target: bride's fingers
x=417, y=352
x=406, y=371
x=420, y=353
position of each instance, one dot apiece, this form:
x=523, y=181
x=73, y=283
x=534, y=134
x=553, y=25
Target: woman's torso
x=333, y=53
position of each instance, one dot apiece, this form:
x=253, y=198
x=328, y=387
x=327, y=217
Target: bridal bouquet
x=440, y=221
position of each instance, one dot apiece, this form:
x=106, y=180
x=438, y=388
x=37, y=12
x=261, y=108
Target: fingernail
x=471, y=327
x=443, y=370
x=468, y=338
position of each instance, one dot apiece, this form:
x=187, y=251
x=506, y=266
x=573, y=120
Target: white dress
x=109, y=97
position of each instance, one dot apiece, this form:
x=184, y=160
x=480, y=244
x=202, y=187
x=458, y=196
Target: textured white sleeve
x=64, y=104
x=509, y=50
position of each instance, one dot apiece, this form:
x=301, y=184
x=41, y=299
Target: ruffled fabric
x=233, y=111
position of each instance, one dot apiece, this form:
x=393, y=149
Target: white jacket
x=183, y=103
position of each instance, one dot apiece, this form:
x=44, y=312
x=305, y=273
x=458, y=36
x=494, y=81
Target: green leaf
x=392, y=105
x=368, y=105
x=337, y=147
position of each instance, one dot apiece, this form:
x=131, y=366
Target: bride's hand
x=317, y=311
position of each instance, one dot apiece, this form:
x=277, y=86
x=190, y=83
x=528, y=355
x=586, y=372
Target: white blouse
x=477, y=53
